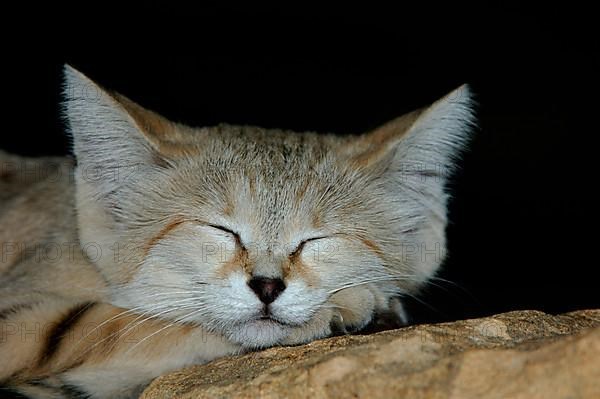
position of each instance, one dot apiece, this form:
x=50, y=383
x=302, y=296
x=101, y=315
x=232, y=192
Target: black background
x=522, y=216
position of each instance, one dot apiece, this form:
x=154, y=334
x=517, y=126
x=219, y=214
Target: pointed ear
x=408, y=162
x=411, y=158
x=424, y=142
x=121, y=150
x=110, y=132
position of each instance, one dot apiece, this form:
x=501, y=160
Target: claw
x=399, y=311
x=337, y=325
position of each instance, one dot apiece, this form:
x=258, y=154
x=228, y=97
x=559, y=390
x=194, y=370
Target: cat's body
x=168, y=246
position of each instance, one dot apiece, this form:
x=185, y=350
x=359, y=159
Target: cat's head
x=263, y=236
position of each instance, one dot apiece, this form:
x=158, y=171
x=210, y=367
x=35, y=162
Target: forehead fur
x=270, y=177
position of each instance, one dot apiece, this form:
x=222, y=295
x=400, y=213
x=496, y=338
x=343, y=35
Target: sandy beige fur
x=135, y=260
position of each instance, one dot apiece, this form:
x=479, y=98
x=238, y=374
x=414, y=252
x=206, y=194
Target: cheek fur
x=176, y=270
x=341, y=262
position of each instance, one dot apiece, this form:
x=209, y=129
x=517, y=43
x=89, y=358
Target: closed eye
x=235, y=235
x=300, y=246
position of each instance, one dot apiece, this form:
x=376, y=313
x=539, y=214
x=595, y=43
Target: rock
x=524, y=354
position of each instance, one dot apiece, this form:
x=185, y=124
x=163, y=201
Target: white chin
x=258, y=333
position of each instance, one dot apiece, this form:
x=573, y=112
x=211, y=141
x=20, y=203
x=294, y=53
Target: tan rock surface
x=524, y=354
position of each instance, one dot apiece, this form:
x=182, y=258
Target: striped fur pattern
x=135, y=258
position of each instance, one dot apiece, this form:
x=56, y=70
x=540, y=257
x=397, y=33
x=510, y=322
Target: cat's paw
x=392, y=317
x=337, y=325
x=353, y=310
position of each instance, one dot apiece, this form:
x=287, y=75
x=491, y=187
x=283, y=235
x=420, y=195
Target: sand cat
x=163, y=245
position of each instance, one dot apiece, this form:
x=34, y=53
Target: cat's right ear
x=121, y=150
x=111, y=134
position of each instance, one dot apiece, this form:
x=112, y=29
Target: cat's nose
x=267, y=289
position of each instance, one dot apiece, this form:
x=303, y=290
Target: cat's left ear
x=407, y=163
x=425, y=142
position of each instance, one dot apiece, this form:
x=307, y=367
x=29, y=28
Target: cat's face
x=264, y=236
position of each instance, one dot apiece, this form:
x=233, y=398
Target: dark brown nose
x=267, y=289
